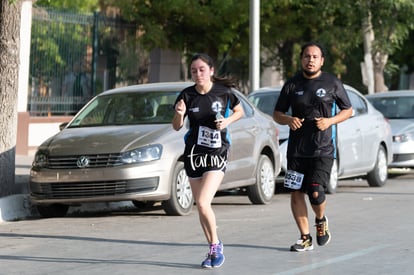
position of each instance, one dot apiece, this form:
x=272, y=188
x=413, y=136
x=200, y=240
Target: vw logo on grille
x=82, y=162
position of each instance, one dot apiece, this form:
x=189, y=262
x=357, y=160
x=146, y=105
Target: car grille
x=76, y=190
x=95, y=161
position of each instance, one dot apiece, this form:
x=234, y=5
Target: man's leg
x=300, y=211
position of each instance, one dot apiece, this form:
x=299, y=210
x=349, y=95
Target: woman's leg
x=204, y=190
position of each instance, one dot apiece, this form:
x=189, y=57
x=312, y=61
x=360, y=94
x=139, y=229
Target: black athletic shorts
x=197, y=164
x=315, y=170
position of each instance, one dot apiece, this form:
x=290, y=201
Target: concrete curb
x=16, y=207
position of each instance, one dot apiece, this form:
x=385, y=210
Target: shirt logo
x=195, y=109
x=299, y=92
x=216, y=106
x=321, y=92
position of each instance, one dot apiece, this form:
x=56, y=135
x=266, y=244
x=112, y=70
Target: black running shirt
x=202, y=110
x=309, y=99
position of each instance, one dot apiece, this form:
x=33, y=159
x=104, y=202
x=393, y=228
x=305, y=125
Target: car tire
x=379, y=175
x=181, y=200
x=264, y=188
x=333, y=180
x=52, y=210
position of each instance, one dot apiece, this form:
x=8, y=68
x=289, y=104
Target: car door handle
x=254, y=130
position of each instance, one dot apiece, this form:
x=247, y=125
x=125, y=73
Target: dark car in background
x=364, y=141
x=121, y=147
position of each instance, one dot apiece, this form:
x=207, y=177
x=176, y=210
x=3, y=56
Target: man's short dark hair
x=309, y=44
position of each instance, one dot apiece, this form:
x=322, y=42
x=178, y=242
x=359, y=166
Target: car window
x=128, y=108
x=248, y=110
x=265, y=102
x=359, y=106
x=394, y=107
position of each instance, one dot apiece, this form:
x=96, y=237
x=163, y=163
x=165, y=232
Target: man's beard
x=309, y=73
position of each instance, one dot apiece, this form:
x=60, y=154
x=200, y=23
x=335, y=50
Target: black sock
x=306, y=237
x=320, y=220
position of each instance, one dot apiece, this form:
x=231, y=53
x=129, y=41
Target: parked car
x=398, y=108
x=121, y=146
x=364, y=141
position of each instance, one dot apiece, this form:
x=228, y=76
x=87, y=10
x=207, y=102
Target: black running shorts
x=315, y=170
x=197, y=164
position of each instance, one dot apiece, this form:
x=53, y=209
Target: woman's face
x=201, y=72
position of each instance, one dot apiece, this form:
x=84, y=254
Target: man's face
x=312, y=61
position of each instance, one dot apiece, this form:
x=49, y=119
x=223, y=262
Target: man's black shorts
x=315, y=170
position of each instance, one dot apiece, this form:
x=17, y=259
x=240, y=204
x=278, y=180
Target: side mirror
x=63, y=125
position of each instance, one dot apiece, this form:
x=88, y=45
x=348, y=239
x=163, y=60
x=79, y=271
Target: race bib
x=293, y=180
x=209, y=137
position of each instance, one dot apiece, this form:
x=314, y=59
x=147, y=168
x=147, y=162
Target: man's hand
x=296, y=123
x=323, y=123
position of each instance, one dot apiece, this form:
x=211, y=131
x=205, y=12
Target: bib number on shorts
x=293, y=180
x=209, y=137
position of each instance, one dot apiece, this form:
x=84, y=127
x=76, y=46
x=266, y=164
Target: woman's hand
x=180, y=107
x=178, y=119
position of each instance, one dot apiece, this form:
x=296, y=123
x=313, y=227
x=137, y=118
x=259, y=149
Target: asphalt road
x=372, y=233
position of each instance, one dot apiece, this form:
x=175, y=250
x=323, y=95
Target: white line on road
x=333, y=260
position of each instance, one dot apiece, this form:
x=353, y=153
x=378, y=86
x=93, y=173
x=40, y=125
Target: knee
x=316, y=194
x=203, y=206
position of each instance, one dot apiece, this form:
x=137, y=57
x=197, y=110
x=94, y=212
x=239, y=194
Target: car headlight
x=143, y=154
x=41, y=159
x=402, y=138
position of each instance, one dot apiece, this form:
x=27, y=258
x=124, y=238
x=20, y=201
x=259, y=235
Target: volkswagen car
x=121, y=147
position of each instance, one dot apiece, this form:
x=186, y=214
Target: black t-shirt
x=309, y=99
x=202, y=110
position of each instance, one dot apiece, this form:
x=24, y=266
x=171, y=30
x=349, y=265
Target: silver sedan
x=121, y=146
x=398, y=108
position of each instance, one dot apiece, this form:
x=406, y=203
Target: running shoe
x=207, y=262
x=322, y=232
x=302, y=245
x=217, y=256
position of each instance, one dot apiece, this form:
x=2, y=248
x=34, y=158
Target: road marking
x=333, y=260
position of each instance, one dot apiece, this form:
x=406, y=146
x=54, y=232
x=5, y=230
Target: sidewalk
x=18, y=206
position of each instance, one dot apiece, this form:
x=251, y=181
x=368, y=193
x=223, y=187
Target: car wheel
x=181, y=201
x=264, y=189
x=379, y=175
x=52, y=210
x=333, y=180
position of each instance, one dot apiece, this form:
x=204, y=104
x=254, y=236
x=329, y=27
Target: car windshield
x=266, y=102
x=394, y=107
x=127, y=109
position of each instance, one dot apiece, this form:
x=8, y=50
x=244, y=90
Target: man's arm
x=324, y=123
x=294, y=123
